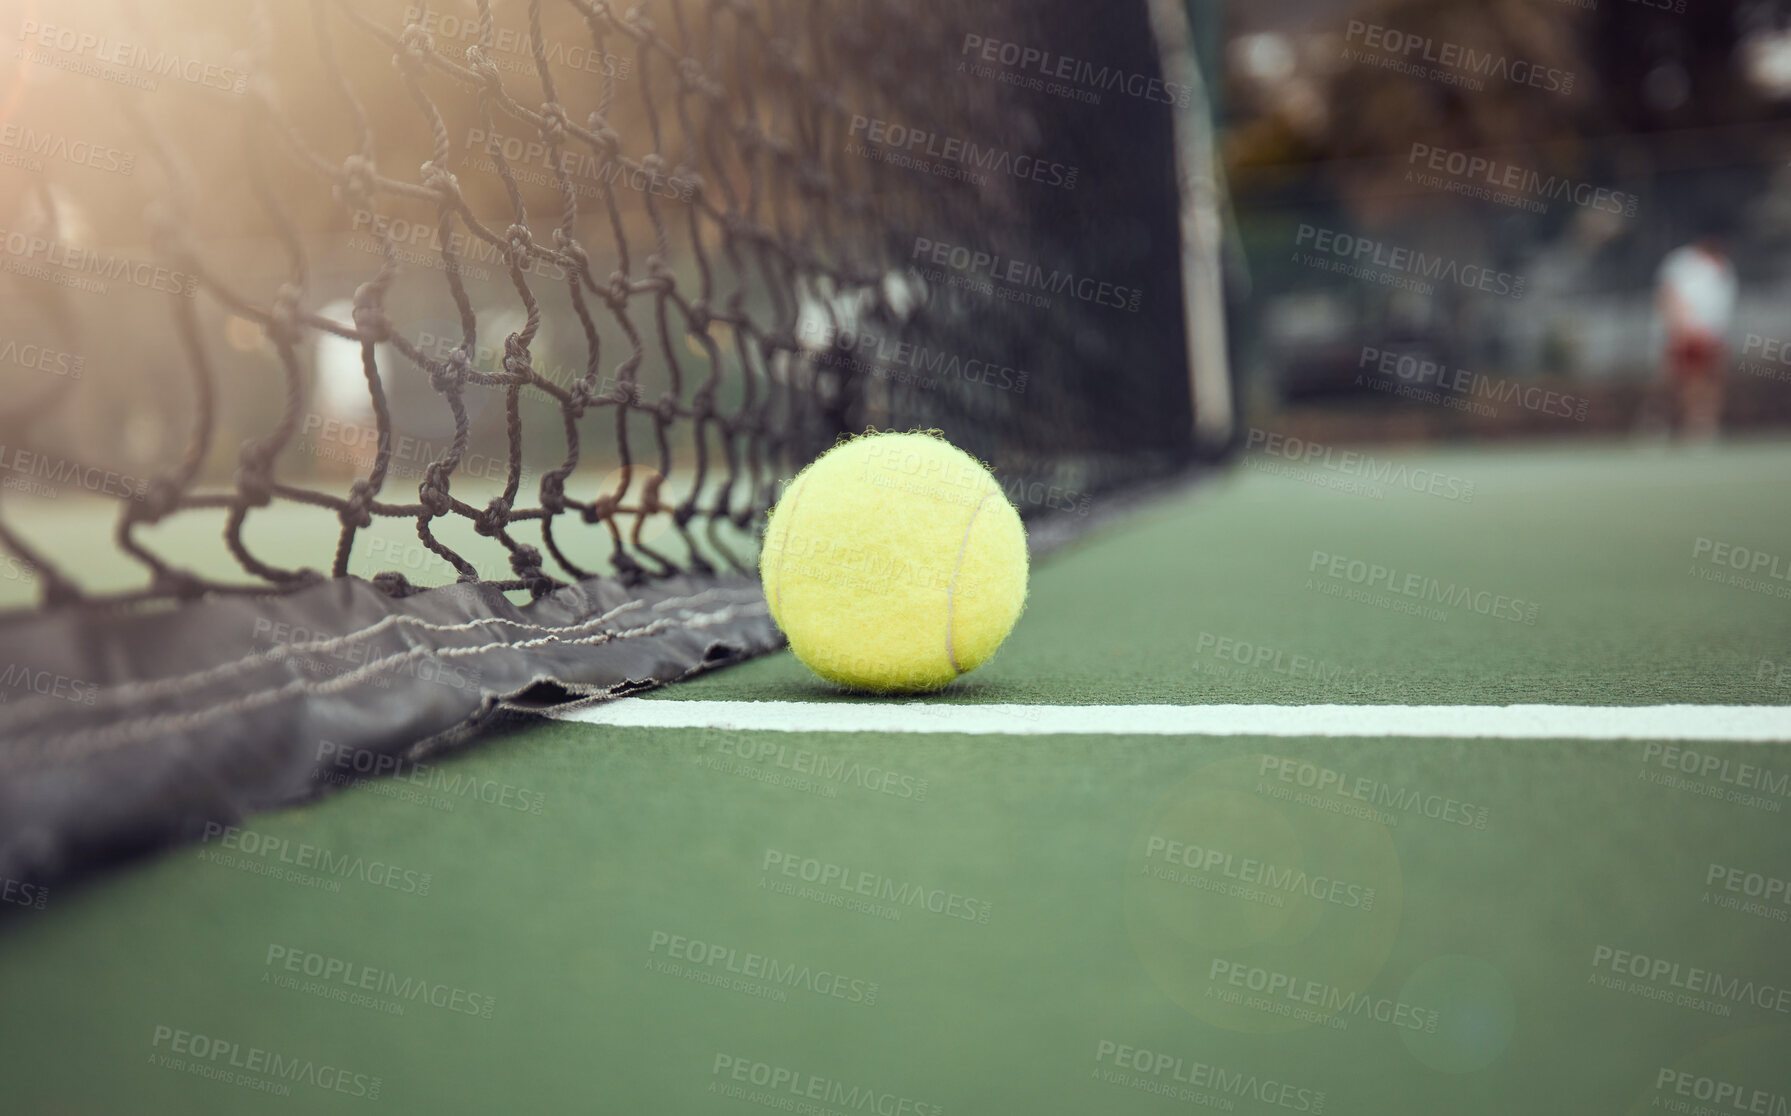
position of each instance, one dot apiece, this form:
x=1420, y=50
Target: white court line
x=1505, y=722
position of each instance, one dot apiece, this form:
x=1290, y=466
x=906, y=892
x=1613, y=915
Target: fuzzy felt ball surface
x=894, y=563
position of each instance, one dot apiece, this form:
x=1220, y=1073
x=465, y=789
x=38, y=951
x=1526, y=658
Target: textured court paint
x=895, y=564
x=1758, y=723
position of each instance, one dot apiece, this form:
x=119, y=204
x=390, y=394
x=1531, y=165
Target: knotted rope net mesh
x=564, y=287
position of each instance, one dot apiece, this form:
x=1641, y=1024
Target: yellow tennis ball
x=894, y=563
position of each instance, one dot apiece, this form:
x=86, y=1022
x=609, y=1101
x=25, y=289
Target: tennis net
x=387, y=364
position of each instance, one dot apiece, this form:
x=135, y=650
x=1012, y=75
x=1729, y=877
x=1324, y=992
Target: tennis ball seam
x=951, y=590
x=777, y=591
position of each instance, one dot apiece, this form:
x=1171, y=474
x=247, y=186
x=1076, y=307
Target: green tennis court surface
x=574, y=917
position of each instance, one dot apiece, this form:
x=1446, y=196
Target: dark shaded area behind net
x=596, y=269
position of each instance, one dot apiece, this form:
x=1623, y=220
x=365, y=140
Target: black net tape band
x=237, y=704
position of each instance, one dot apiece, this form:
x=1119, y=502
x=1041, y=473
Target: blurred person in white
x=1696, y=293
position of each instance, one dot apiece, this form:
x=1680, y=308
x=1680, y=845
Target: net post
x=1202, y=228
